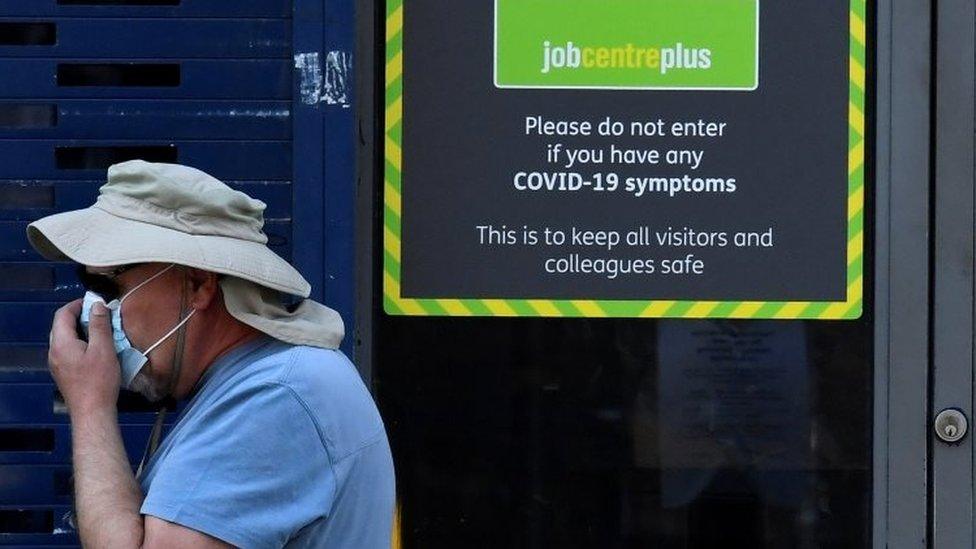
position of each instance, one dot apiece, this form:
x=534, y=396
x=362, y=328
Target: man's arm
x=107, y=496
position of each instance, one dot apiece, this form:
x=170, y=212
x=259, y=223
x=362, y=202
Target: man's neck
x=229, y=338
x=241, y=339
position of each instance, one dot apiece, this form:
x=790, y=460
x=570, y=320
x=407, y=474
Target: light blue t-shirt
x=281, y=445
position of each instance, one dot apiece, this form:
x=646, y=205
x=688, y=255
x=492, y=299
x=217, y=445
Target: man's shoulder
x=326, y=384
x=280, y=363
x=303, y=365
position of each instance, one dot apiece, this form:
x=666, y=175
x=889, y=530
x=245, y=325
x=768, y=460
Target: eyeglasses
x=103, y=283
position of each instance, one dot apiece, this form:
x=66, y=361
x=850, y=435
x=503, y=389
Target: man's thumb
x=99, y=326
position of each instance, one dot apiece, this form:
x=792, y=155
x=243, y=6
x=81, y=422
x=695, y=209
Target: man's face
x=148, y=314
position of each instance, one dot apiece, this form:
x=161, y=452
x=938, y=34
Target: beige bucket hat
x=168, y=213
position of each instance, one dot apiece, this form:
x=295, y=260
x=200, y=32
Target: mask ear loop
x=169, y=333
x=144, y=282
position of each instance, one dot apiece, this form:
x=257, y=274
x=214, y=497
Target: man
x=280, y=443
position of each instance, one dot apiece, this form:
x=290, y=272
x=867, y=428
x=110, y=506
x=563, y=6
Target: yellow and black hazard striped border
x=393, y=303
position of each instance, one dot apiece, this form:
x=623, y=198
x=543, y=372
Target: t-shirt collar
x=230, y=357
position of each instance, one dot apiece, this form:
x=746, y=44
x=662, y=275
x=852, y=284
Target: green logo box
x=627, y=44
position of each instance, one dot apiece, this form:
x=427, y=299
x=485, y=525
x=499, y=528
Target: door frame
x=902, y=174
x=951, y=465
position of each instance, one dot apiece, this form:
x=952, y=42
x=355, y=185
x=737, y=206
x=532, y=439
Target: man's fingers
x=65, y=320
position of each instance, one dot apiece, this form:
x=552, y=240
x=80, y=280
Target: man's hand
x=86, y=373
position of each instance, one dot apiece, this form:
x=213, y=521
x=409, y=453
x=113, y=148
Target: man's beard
x=145, y=386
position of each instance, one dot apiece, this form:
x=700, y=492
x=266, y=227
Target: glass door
x=709, y=432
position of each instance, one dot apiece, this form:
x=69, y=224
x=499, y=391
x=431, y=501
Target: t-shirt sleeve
x=252, y=471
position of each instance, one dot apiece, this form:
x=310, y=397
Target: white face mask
x=130, y=359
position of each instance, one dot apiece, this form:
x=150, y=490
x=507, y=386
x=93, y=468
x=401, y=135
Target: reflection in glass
x=629, y=433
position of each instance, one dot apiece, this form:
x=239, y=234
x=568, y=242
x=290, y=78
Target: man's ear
x=203, y=288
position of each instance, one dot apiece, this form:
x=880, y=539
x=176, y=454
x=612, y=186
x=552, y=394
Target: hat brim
x=96, y=238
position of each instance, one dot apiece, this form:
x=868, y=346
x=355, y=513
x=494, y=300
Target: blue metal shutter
x=238, y=89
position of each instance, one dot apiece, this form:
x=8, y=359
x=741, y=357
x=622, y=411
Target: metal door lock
x=951, y=425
